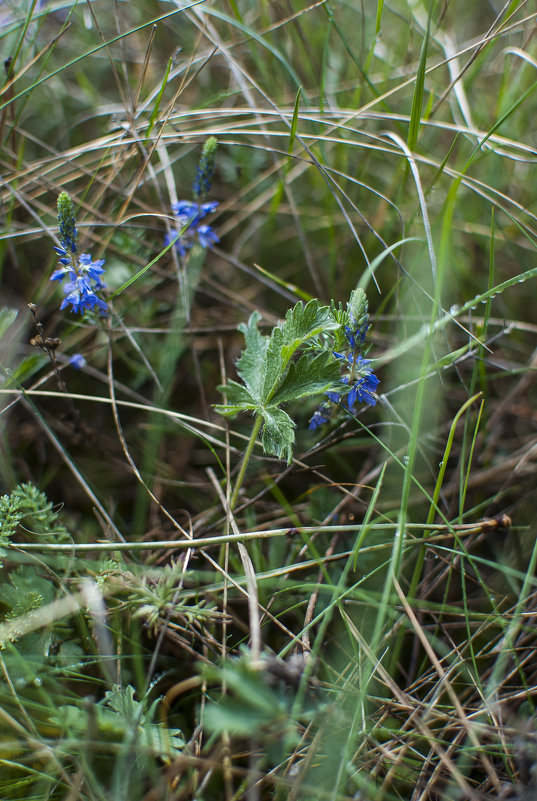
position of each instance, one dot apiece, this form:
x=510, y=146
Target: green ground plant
x=267, y=408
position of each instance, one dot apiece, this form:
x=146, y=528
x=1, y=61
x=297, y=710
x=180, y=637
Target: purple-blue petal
x=319, y=418
x=77, y=361
x=58, y=275
x=206, y=236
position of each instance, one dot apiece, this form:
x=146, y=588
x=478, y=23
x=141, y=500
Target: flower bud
x=67, y=222
x=357, y=307
x=205, y=169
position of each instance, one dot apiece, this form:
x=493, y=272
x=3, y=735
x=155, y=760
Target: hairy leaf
x=238, y=399
x=252, y=359
x=271, y=377
x=302, y=323
x=310, y=375
x=278, y=433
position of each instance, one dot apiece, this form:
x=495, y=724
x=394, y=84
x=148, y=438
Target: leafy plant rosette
x=298, y=360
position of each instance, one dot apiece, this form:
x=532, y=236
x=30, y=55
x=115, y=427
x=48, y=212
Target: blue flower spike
x=190, y=213
x=360, y=381
x=84, y=274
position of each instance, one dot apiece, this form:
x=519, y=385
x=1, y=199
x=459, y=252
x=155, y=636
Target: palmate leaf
x=271, y=378
x=302, y=323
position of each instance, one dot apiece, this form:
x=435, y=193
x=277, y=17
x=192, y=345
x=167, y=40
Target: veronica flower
x=363, y=382
x=182, y=246
x=190, y=213
x=356, y=334
x=206, y=236
x=319, y=418
x=81, y=297
x=77, y=361
x=93, y=269
x=359, y=380
x=84, y=275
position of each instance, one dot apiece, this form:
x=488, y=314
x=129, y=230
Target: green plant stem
x=245, y=461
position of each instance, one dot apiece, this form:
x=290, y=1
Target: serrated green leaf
x=274, y=365
x=309, y=376
x=278, y=433
x=250, y=364
x=301, y=324
x=304, y=322
x=238, y=398
x=122, y=701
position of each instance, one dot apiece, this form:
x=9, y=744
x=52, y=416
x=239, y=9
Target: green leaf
x=252, y=359
x=278, y=433
x=156, y=107
x=238, y=719
x=238, y=399
x=294, y=122
x=25, y=591
x=302, y=323
x=417, y=99
x=309, y=376
x=119, y=716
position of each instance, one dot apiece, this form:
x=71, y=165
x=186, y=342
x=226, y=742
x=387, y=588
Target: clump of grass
x=242, y=606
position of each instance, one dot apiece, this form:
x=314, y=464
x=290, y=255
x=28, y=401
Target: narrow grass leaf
x=156, y=107
x=417, y=99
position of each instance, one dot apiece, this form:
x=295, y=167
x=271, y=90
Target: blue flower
x=319, y=418
x=191, y=212
x=181, y=245
x=77, y=361
x=84, y=275
x=189, y=215
x=359, y=381
x=206, y=236
x=81, y=297
x=362, y=388
x=84, y=278
x=356, y=335
x=93, y=269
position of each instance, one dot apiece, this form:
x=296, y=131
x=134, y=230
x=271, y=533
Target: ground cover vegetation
x=267, y=400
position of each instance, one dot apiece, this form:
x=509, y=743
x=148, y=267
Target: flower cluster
x=83, y=274
x=360, y=381
x=190, y=213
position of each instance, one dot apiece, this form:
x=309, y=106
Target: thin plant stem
x=245, y=461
